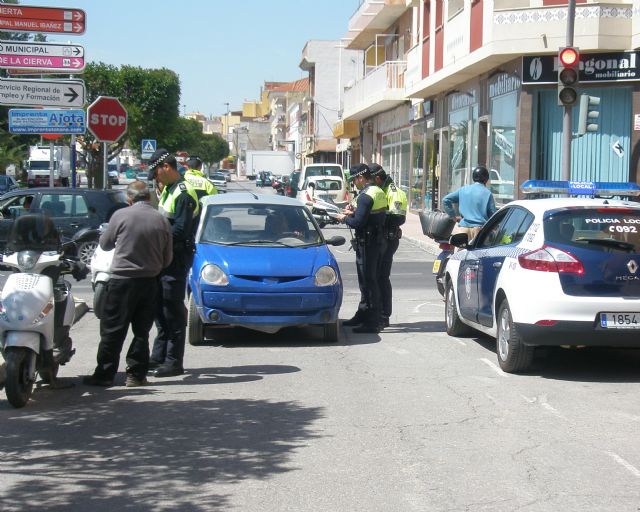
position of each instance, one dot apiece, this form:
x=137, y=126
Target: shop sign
x=421, y=109
x=597, y=67
x=460, y=100
x=505, y=83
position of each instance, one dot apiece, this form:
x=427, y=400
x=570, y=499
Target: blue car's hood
x=263, y=261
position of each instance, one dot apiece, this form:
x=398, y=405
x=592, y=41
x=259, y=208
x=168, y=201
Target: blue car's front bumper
x=268, y=310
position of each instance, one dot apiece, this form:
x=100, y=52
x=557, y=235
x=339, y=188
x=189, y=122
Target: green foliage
x=212, y=148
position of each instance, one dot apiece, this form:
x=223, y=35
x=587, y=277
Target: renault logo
x=632, y=266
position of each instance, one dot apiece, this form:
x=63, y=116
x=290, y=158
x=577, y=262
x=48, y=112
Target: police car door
x=469, y=273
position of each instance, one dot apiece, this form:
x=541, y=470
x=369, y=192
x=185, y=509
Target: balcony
x=372, y=17
x=380, y=90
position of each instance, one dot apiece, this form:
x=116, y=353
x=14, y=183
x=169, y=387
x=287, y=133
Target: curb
x=427, y=246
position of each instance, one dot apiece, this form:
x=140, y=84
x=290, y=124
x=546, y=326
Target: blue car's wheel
x=195, y=330
x=331, y=332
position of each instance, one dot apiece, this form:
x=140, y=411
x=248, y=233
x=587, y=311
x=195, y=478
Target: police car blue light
x=555, y=271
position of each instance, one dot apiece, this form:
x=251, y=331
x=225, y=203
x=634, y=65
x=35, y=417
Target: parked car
x=7, y=183
x=113, y=174
x=220, y=181
x=263, y=179
x=557, y=271
x=261, y=262
x=325, y=171
x=331, y=189
x=72, y=211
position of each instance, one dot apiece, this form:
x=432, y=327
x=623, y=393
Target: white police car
x=556, y=271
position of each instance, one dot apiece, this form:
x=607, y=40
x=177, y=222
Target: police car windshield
x=602, y=229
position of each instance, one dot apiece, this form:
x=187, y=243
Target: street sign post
x=38, y=121
x=107, y=121
x=148, y=147
x=42, y=93
x=25, y=18
x=68, y=58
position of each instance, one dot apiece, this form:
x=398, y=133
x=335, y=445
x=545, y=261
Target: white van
x=331, y=172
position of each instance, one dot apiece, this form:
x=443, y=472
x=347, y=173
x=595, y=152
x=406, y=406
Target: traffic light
x=588, y=118
x=568, y=63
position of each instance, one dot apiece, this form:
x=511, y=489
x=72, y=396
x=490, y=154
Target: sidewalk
x=412, y=233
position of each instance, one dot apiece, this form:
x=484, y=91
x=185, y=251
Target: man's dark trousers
x=385, y=275
x=128, y=301
x=367, y=264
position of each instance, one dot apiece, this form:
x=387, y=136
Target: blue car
x=261, y=262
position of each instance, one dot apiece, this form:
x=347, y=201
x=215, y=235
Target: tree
x=151, y=97
x=212, y=148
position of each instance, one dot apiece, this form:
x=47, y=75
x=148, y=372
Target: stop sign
x=107, y=119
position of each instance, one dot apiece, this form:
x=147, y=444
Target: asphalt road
x=408, y=420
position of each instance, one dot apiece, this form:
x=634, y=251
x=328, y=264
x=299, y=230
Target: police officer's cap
x=377, y=170
x=359, y=170
x=194, y=161
x=157, y=159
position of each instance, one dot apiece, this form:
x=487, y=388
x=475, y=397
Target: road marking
x=493, y=366
x=400, y=351
x=632, y=469
x=552, y=410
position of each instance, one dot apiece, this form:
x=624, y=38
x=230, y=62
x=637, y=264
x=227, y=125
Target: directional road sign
x=61, y=121
x=148, y=147
x=27, y=18
x=68, y=58
x=42, y=93
x=107, y=119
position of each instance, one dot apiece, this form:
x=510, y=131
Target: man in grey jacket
x=142, y=240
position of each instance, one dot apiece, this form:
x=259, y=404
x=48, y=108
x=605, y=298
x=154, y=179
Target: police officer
x=395, y=217
x=368, y=221
x=198, y=180
x=179, y=204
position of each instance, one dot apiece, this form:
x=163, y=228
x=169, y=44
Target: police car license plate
x=620, y=320
x=436, y=266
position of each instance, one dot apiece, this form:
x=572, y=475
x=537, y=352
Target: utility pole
x=566, y=118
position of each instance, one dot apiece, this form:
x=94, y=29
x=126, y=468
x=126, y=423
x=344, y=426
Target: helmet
x=480, y=174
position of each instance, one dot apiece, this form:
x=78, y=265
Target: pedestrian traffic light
x=568, y=63
x=588, y=118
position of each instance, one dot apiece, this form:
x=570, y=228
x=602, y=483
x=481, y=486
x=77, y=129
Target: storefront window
x=418, y=175
x=458, y=126
x=503, y=141
x=396, y=151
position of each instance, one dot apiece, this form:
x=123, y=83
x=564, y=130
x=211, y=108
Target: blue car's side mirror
x=336, y=240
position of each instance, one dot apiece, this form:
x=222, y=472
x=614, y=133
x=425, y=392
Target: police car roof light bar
x=581, y=188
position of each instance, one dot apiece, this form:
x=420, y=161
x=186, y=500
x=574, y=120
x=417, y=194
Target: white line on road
x=632, y=469
x=400, y=351
x=493, y=366
x=552, y=410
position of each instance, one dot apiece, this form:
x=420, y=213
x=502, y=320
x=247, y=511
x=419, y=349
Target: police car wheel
x=513, y=354
x=195, y=330
x=455, y=327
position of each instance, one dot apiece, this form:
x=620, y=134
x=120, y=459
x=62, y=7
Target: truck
x=39, y=165
x=279, y=163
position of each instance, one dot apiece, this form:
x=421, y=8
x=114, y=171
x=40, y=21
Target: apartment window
x=439, y=15
x=426, y=20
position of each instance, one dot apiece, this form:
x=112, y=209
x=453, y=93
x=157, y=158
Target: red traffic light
x=569, y=57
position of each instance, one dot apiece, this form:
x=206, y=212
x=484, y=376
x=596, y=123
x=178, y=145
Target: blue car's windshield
x=263, y=225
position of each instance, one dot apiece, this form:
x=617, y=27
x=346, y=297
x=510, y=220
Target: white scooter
x=36, y=307
x=100, y=275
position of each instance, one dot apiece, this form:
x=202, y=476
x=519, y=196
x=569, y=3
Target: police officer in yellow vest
x=198, y=180
x=395, y=217
x=368, y=221
x=179, y=204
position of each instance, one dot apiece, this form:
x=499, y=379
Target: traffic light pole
x=566, y=119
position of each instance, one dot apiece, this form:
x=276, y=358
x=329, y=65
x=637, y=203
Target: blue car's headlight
x=213, y=274
x=325, y=276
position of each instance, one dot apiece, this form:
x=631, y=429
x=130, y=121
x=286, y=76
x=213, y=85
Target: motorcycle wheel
x=19, y=385
x=99, y=296
x=86, y=250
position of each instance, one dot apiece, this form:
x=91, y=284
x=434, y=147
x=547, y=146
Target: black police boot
x=357, y=319
x=367, y=329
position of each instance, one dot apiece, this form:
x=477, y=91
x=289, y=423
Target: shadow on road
x=99, y=450
x=424, y=326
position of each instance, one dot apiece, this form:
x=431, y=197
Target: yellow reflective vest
x=167, y=201
x=200, y=183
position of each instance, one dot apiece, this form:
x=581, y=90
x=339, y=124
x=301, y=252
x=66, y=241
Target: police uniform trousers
x=368, y=255
x=129, y=301
x=171, y=313
x=386, y=261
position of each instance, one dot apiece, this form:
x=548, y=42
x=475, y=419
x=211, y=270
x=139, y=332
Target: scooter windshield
x=33, y=232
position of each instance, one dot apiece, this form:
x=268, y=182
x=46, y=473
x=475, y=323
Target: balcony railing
x=385, y=83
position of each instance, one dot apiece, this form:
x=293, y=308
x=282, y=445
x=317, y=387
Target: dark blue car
x=261, y=262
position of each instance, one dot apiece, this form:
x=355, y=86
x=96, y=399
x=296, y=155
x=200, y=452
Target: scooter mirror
x=459, y=240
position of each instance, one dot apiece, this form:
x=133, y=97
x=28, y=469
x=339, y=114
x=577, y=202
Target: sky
x=222, y=50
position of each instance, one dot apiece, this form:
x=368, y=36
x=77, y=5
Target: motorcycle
x=438, y=226
x=325, y=212
x=440, y=263
x=37, y=308
x=100, y=275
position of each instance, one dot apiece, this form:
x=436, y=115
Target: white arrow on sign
x=41, y=49
x=42, y=93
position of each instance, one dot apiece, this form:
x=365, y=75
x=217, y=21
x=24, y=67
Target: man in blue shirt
x=475, y=204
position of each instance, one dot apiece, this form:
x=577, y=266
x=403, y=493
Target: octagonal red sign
x=107, y=119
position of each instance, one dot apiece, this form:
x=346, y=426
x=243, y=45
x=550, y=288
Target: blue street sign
x=148, y=147
x=42, y=121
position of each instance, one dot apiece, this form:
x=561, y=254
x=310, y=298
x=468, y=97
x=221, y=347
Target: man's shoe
x=154, y=364
x=167, y=371
x=355, y=320
x=134, y=382
x=93, y=380
x=367, y=329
